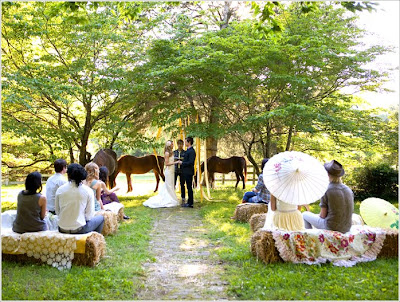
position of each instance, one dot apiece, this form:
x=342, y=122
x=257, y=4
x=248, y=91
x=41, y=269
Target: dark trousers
x=182, y=183
x=189, y=182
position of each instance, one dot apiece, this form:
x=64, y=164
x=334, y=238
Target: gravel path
x=184, y=267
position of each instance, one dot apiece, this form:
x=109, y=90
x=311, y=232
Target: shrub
x=379, y=180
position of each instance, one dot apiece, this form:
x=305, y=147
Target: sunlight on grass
x=117, y=277
x=191, y=243
x=250, y=279
x=190, y=270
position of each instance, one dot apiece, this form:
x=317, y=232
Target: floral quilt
x=360, y=244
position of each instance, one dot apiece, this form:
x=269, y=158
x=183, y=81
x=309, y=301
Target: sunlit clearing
x=191, y=243
x=189, y=270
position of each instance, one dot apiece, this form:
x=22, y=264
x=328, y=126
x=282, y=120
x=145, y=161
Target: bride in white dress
x=166, y=196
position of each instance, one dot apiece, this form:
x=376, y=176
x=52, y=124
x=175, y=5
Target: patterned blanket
x=360, y=244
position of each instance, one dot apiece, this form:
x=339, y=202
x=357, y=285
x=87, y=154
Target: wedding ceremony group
x=200, y=150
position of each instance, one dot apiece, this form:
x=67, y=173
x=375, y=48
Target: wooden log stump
x=244, y=211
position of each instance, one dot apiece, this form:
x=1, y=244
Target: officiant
x=178, y=155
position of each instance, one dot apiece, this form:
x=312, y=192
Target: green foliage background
x=79, y=76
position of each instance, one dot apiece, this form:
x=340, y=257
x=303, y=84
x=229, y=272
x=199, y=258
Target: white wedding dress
x=166, y=196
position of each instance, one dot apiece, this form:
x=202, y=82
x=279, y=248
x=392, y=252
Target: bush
x=379, y=180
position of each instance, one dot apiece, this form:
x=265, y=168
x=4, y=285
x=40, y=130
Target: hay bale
x=110, y=222
x=263, y=247
x=95, y=249
x=121, y=214
x=390, y=247
x=244, y=211
x=257, y=221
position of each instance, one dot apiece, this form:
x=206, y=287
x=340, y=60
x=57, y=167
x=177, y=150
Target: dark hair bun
x=76, y=173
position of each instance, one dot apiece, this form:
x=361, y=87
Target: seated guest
x=337, y=204
x=54, y=182
x=31, y=206
x=283, y=216
x=260, y=193
x=93, y=182
x=107, y=196
x=75, y=205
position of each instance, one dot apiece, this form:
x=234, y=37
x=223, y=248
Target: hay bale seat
x=263, y=246
x=120, y=214
x=244, y=211
x=257, y=221
x=117, y=208
x=110, y=222
x=89, y=251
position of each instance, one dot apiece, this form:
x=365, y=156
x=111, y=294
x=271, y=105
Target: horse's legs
x=128, y=180
x=112, y=180
x=242, y=177
x=237, y=179
x=212, y=180
x=158, y=180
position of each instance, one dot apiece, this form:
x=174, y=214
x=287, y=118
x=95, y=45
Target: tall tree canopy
x=274, y=93
x=109, y=73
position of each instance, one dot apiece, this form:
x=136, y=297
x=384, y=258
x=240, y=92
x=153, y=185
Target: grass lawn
x=120, y=275
x=117, y=277
x=250, y=279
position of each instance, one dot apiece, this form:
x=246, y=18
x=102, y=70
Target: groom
x=188, y=170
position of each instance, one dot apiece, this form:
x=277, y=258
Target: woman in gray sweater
x=31, y=206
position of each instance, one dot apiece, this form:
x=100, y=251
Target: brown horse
x=107, y=158
x=235, y=164
x=129, y=164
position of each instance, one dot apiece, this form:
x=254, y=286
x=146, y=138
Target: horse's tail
x=245, y=169
x=161, y=162
x=160, y=165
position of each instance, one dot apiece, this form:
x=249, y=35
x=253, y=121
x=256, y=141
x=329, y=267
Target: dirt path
x=184, y=267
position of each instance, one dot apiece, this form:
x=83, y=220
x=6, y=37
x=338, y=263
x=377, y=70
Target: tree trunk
x=250, y=156
x=267, y=149
x=83, y=154
x=212, y=146
x=226, y=15
x=289, y=139
x=212, y=142
x=71, y=155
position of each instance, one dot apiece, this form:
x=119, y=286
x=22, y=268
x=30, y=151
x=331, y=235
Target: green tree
x=276, y=93
x=68, y=73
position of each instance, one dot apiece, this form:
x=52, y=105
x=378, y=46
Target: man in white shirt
x=74, y=204
x=54, y=182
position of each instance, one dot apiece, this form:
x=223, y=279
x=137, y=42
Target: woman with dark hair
x=260, y=193
x=75, y=204
x=107, y=196
x=31, y=206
